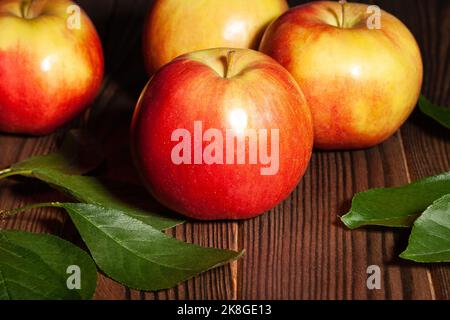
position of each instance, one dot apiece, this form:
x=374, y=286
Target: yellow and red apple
x=51, y=64
x=222, y=134
x=175, y=27
x=361, y=80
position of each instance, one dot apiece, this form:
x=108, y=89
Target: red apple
x=361, y=78
x=222, y=134
x=175, y=27
x=51, y=64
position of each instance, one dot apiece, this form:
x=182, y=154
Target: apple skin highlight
x=361, y=84
x=193, y=88
x=48, y=73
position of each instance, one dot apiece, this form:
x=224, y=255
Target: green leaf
x=396, y=207
x=440, y=114
x=137, y=255
x=34, y=266
x=131, y=200
x=430, y=236
x=79, y=153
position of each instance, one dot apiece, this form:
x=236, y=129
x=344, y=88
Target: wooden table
x=298, y=250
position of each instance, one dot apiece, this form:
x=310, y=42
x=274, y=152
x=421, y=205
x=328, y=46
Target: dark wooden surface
x=298, y=250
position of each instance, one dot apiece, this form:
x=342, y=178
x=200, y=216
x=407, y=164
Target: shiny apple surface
x=203, y=99
x=50, y=71
x=361, y=82
x=175, y=27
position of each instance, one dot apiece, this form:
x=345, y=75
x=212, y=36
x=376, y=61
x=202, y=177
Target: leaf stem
x=12, y=212
x=14, y=172
x=6, y=171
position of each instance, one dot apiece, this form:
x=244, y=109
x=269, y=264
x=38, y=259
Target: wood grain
x=299, y=250
x=426, y=144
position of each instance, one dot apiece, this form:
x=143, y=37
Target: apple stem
x=343, y=3
x=11, y=212
x=29, y=7
x=25, y=8
x=230, y=61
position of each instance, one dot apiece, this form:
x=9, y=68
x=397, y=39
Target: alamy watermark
x=74, y=17
x=212, y=147
x=374, y=20
x=73, y=281
x=374, y=277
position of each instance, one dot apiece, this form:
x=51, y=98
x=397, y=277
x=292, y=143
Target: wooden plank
x=427, y=145
x=301, y=251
